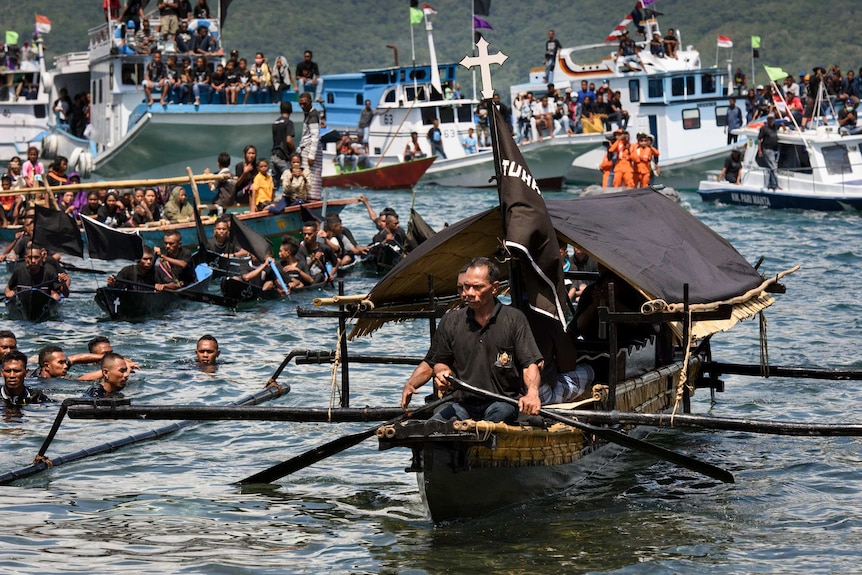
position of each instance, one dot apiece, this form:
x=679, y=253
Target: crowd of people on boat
x=588, y=110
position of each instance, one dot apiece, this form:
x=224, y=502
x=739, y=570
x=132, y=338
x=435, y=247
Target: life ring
x=75, y=159
x=50, y=143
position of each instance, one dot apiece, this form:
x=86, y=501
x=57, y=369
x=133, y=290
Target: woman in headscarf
x=177, y=209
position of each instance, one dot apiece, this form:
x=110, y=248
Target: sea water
x=170, y=506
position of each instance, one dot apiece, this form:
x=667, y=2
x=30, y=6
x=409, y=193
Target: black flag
x=106, y=243
x=307, y=215
x=482, y=7
x=57, y=231
x=248, y=239
x=417, y=230
x=530, y=235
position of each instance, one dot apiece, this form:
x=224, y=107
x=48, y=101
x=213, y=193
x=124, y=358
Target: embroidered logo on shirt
x=503, y=360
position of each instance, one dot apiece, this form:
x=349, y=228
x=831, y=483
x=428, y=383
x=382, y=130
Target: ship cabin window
x=101, y=94
x=94, y=93
x=132, y=74
x=447, y=115
x=691, y=119
x=411, y=93
x=634, y=91
x=40, y=111
x=795, y=158
x=389, y=96
x=359, y=100
x=428, y=116
x=655, y=88
x=377, y=78
x=707, y=84
x=465, y=113
x=417, y=74
x=721, y=116
x=837, y=160
x=682, y=86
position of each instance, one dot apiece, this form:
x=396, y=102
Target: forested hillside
x=350, y=35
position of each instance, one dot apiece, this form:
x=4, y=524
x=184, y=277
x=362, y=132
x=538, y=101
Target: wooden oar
x=800, y=428
x=74, y=268
x=320, y=453
x=202, y=297
x=719, y=368
x=234, y=413
x=610, y=435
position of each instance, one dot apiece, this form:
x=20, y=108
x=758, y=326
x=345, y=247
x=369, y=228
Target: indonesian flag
x=724, y=42
x=428, y=10
x=43, y=25
x=614, y=36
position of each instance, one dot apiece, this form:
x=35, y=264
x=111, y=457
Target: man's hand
x=530, y=403
x=442, y=381
x=407, y=395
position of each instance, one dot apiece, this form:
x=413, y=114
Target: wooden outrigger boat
x=400, y=176
x=33, y=305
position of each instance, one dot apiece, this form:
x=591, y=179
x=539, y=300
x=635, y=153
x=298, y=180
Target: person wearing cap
x=847, y=117
x=767, y=148
x=185, y=40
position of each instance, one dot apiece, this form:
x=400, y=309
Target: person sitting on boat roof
x=847, y=118
x=201, y=80
x=656, y=45
x=174, y=268
x=172, y=90
x=282, y=78
x=345, y=154
x=413, y=151
x=231, y=83
x=168, y=18
x=294, y=270
x=14, y=393
x=205, y=43
x=469, y=142
x=627, y=57
x=32, y=273
x=321, y=259
x=217, y=85
x=185, y=41
x=178, y=210
x=262, y=188
x=671, y=43
x=739, y=82
x=140, y=276
x=435, y=139
x=146, y=41
x=221, y=243
x=490, y=346
x=261, y=79
x=207, y=352
x=115, y=377
x=308, y=76
x=155, y=76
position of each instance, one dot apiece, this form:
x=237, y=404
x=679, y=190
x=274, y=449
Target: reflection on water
x=169, y=506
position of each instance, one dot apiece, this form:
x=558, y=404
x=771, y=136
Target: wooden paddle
x=74, y=268
x=610, y=435
x=320, y=453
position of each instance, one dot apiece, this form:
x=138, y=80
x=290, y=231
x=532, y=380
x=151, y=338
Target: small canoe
x=124, y=304
x=401, y=176
x=33, y=305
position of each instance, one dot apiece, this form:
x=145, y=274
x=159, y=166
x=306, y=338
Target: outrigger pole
x=41, y=464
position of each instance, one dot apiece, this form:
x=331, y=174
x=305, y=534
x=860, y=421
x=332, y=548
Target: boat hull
x=751, y=196
x=549, y=162
x=121, y=304
x=32, y=305
x=401, y=176
x=515, y=465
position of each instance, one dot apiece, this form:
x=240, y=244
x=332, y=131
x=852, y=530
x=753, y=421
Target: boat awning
x=648, y=240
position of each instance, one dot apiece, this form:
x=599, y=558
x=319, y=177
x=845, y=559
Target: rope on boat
x=683, y=374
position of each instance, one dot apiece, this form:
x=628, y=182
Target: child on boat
x=261, y=188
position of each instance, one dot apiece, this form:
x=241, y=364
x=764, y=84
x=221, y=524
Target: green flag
x=755, y=41
x=775, y=74
x=12, y=38
x=416, y=15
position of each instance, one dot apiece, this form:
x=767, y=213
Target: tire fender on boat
x=50, y=143
x=85, y=164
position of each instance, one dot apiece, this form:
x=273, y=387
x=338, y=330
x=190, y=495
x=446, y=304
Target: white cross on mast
x=484, y=61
